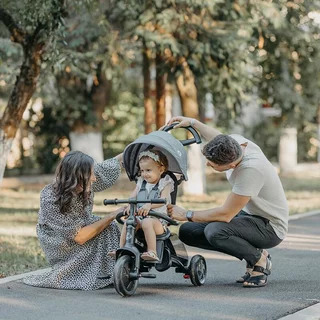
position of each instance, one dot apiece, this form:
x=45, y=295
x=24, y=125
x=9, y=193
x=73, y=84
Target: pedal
x=147, y=275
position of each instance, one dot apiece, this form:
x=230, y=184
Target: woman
x=75, y=241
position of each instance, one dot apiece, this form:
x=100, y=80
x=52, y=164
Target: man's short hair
x=221, y=150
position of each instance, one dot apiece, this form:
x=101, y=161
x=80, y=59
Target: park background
x=94, y=75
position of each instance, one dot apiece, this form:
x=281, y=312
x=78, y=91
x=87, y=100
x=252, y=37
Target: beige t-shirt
x=257, y=178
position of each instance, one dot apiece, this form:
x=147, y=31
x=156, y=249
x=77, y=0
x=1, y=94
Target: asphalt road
x=293, y=285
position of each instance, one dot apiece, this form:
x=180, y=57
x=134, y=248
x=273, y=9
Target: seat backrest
x=176, y=183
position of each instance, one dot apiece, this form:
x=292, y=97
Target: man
x=254, y=216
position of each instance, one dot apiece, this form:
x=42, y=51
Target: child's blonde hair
x=157, y=156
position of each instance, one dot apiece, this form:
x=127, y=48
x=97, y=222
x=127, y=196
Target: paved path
x=293, y=285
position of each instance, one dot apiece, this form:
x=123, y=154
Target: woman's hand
x=116, y=212
x=176, y=213
x=144, y=210
x=126, y=210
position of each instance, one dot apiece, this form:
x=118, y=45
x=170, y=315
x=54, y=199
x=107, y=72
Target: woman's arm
x=90, y=231
x=106, y=173
x=206, y=132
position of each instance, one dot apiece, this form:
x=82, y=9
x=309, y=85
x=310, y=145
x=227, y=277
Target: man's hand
x=177, y=213
x=183, y=122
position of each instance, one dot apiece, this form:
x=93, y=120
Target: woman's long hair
x=72, y=179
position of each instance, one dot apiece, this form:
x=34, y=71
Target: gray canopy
x=157, y=140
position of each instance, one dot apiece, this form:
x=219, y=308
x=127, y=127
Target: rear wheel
x=198, y=270
x=122, y=282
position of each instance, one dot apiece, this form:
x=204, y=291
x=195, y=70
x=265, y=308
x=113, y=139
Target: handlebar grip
x=133, y=201
x=113, y=201
x=158, y=201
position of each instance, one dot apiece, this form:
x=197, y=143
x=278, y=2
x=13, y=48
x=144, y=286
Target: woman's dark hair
x=221, y=150
x=72, y=178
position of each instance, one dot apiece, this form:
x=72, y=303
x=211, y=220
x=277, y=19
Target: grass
x=19, y=248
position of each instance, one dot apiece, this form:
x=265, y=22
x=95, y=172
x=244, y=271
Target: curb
x=22, y=275
x=304, y=215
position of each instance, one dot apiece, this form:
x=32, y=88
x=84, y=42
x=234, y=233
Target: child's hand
x=144, y=210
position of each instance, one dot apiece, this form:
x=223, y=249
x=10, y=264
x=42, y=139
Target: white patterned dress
x=75, y=266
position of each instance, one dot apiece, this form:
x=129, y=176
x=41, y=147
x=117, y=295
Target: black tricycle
x=129, y=266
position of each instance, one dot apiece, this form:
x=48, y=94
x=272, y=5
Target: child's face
x=150, y=170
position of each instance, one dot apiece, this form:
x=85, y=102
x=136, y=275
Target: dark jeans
x=243, y=237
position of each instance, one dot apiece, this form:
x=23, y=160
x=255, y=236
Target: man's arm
x=232, y=206
x=206, y=132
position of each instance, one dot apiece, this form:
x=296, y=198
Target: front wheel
x=198, y=270
x=122, y=282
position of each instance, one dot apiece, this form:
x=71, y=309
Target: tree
x=40, y=21
x=288, y=53
x=185, y=40
x=83, y=77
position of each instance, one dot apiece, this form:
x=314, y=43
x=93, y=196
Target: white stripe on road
x=310, y=313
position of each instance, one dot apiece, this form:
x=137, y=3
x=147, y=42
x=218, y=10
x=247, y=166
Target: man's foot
x=260, y=273
x=246, y=276
x=249, y=270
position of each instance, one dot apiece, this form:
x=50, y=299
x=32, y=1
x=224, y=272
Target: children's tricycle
x=129, y=266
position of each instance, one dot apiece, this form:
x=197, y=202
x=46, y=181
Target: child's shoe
x=150, y=256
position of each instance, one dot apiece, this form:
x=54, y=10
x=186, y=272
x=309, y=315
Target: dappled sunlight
x=202, y=298
x=29, y=231
x=210, y=254
x=301, y=242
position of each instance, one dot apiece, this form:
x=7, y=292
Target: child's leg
x=151, y=227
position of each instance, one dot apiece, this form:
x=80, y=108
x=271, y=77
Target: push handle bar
x=133, y=201
x=196, y=137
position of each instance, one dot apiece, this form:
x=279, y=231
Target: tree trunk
x=33, y=47
x=100, y=94
x=89, y=142
x=188, y=92
x=88, y=138
x=5, y=147
x=189, y=104
x=318, y=122
x=288, y=150
x=148, y=109
x=161, y=78
x=22, y=92
x=168, y=106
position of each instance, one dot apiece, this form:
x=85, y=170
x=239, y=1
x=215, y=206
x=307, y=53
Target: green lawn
x=20, y=251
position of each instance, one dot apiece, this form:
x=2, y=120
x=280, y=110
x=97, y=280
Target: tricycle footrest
x=147, y=275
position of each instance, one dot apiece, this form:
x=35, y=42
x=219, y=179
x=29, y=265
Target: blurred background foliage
x=265, y=53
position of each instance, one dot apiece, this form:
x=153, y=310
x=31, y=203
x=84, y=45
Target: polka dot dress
x=76, y=266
